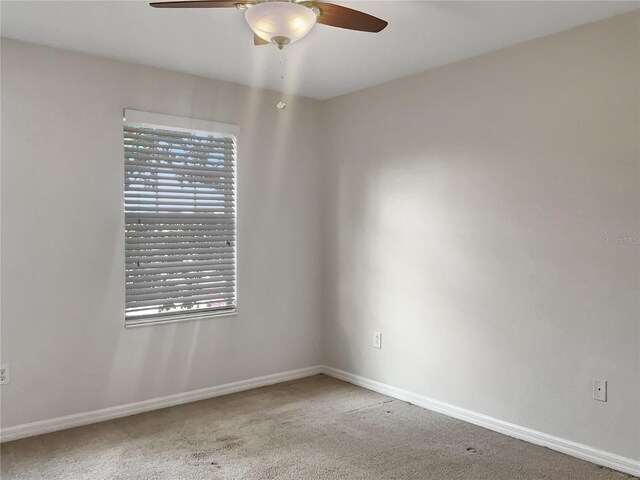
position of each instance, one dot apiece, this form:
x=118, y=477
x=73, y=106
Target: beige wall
x=470, y=207
x=63, y=237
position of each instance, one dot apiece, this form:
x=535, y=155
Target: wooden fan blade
x=343, y=17
x=198, y=4
x=257, y=41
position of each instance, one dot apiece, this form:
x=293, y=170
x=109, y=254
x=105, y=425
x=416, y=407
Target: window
x=180, y=218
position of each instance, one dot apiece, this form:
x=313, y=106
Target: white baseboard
x=95, y=416
x=584, y=452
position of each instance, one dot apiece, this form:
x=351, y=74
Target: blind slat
x=185, y=228
x=211, y=282
x=215, y=156
x=186, y=236
x=175, y=253
x=193, y=171
x=138, y=316
x=145, y=244
x=138, y=273
x=136, y=187
x=188, y=197
x=160, y=266
x=217, y=275
x=210, y=297
x=175, y=256
x=196, y=210
x=194, y=218
x=175, y=136
x=195, y=306
x=176, y=292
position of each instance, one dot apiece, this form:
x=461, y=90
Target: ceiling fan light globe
x=280, y=19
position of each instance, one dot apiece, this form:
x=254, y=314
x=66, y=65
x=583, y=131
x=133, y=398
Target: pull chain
x=281, y=105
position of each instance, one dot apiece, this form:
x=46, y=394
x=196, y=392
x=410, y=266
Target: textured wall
x=63, y=237
x=473, y=219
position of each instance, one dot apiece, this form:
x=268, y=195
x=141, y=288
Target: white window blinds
x=180, y=221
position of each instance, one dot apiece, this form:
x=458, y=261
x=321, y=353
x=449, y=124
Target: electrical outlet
x=600, y=390
x=377, y=340
x=4, y=374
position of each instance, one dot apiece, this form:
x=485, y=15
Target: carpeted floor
x=316, y=428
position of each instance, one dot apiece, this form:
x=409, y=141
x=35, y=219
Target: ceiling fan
x=282, y=21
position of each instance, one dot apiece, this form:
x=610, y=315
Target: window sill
x=178, y=318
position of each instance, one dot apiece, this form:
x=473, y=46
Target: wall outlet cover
x=600, y=390
x=4, y=374
x=377, y=340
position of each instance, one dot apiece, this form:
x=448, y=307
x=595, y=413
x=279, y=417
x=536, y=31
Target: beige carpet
x=316, y=428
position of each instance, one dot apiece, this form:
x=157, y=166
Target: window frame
x=138, y=118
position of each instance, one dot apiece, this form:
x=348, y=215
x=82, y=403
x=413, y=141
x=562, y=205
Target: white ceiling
x=327, y=63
